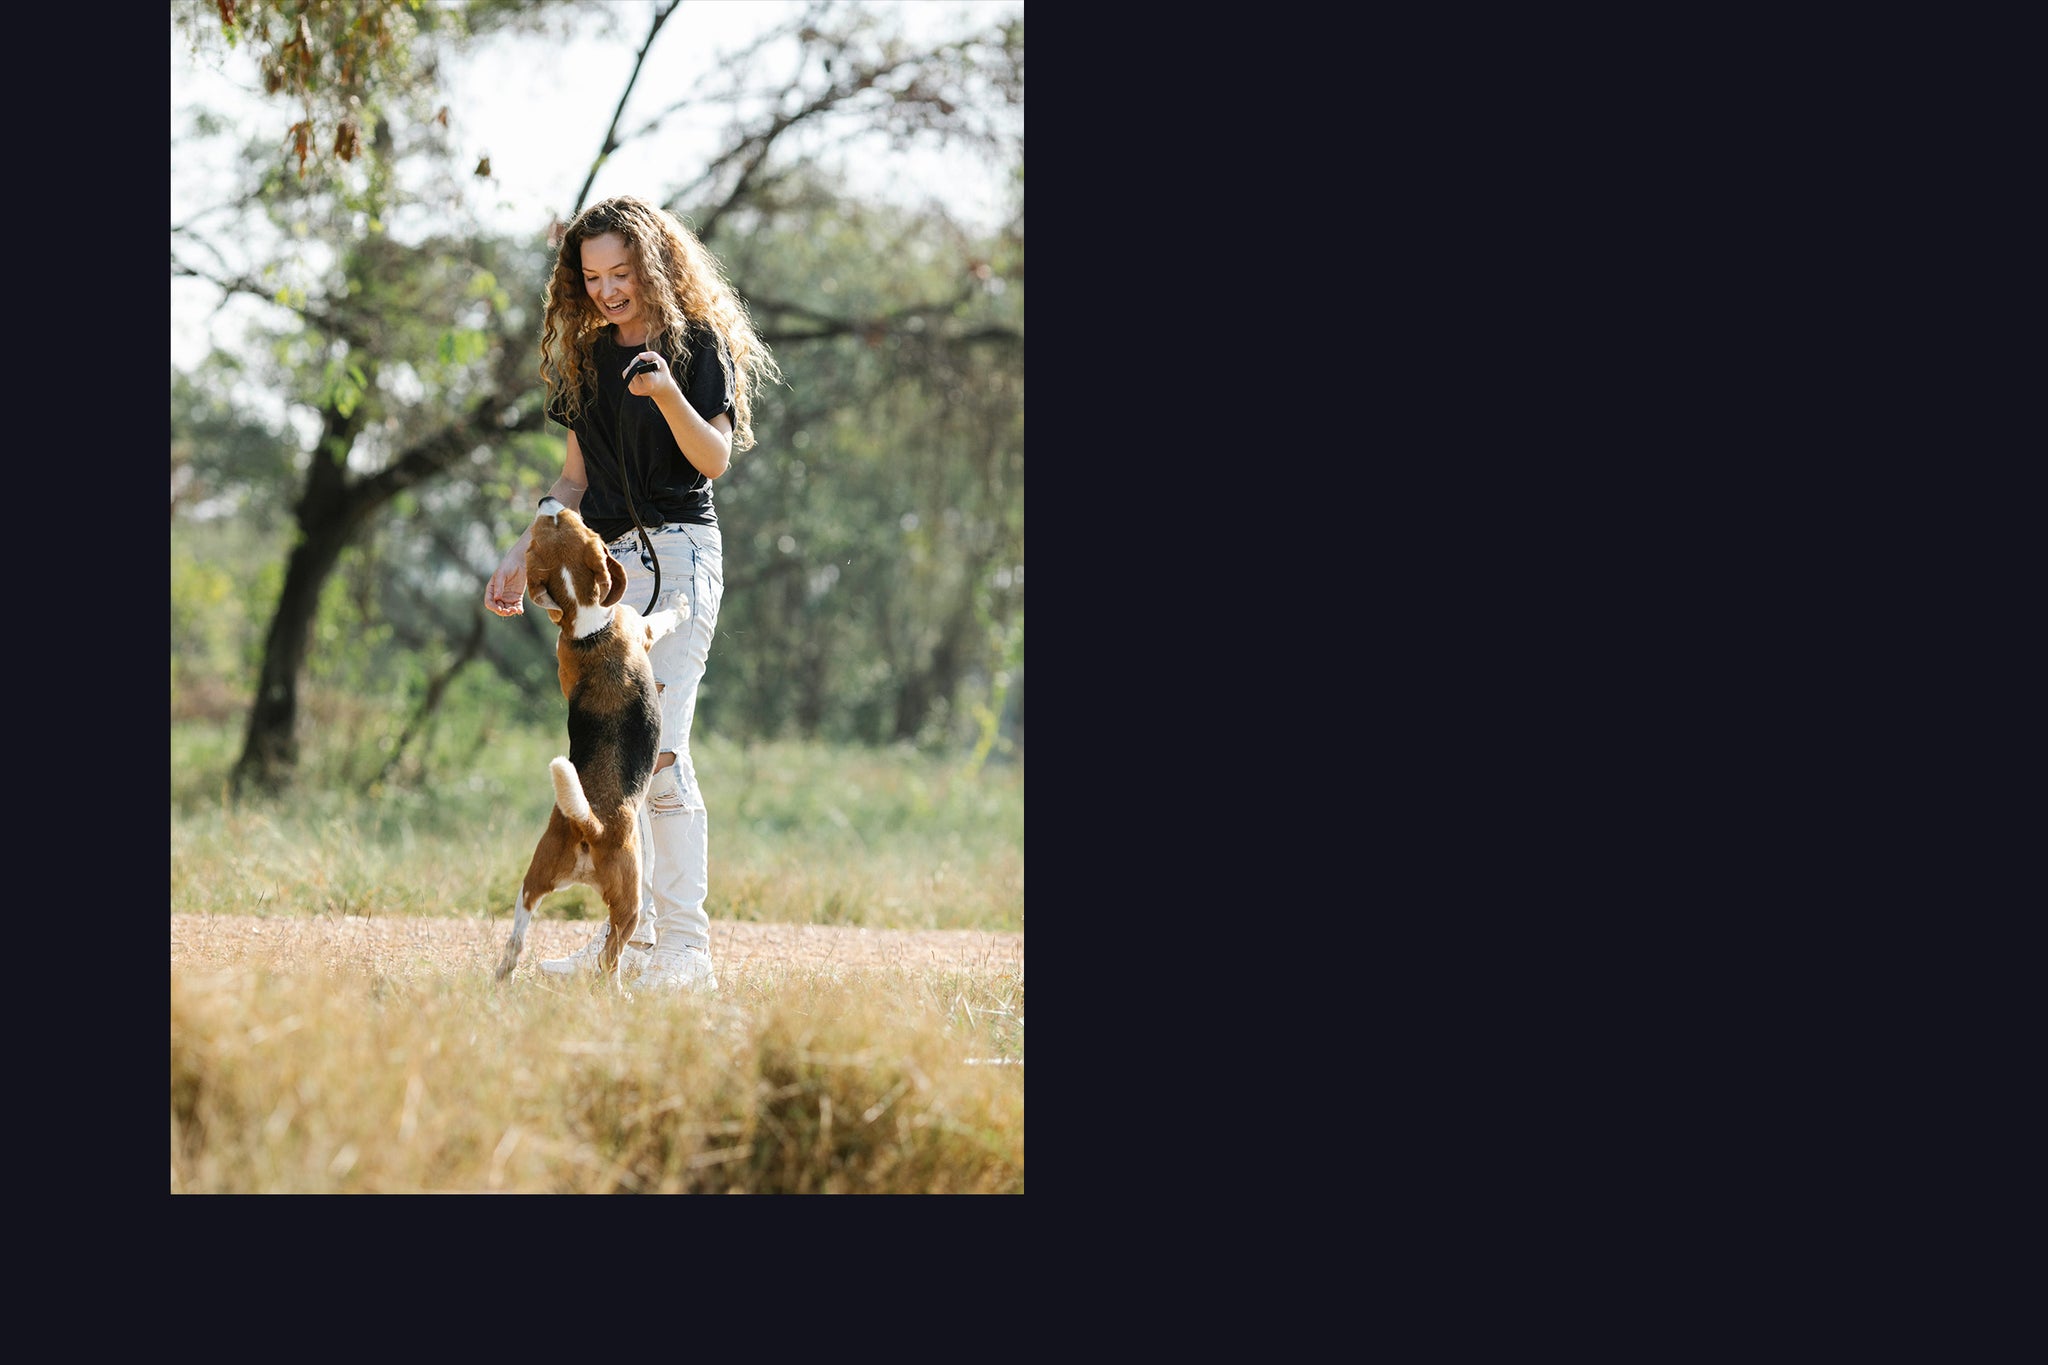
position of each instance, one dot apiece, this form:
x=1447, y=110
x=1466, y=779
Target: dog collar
x=595, y=636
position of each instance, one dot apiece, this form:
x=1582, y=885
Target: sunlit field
x=887, y=838
x=368, y=1070
x=809, y=1082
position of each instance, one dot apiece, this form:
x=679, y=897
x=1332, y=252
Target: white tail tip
x=569, y=791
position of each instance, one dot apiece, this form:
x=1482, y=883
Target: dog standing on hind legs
x=593, y=836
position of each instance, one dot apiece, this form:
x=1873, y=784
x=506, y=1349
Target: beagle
x=592, y=836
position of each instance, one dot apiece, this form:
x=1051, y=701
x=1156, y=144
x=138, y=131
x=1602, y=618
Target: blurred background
x=362, y=201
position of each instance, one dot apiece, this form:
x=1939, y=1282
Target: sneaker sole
x=560, y=968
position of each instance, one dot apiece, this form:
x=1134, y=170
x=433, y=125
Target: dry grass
x=335, y=1027
x=380, y=1073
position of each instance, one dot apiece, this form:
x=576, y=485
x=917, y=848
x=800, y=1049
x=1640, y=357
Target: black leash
x=648, y=556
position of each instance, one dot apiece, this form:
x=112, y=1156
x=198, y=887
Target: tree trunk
x=332, y=513
x=270, y=748
x=939, y=677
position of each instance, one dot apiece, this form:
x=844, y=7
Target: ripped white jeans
x=675, y=851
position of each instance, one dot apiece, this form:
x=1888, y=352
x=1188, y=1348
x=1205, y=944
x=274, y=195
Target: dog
x=593, y=837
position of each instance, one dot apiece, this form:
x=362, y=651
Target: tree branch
x=611, y=134
x=430, y=702
x=331, y=323
x=828, y=325
x=753, y=149
x=741, y=60
x=438, y=451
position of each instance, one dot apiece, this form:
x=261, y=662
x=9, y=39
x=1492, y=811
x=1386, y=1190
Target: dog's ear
x=615, y=580
x=547, y=604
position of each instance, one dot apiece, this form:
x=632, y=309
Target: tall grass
x=365, y=1082
x=357, y=1076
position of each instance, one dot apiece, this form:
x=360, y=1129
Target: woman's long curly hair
x=681, y=283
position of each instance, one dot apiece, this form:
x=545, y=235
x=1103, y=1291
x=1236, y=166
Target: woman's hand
x=648, y=382
x=706, y=445
x=506, y=592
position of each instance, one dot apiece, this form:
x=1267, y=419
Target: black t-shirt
x=665, y=485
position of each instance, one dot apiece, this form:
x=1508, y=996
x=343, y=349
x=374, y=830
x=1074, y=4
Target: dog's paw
x=662, y=622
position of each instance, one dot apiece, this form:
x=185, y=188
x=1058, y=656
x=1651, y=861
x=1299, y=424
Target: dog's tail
x=571, y=801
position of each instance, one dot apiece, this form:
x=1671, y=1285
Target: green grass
x=891, y=839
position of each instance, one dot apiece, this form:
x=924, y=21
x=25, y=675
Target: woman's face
x=609, y=278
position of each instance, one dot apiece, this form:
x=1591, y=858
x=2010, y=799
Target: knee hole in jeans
x=664, y=797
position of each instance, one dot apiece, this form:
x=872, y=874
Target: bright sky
x=540, y=114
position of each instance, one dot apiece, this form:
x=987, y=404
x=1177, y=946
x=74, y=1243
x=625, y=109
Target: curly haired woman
x=630, y=283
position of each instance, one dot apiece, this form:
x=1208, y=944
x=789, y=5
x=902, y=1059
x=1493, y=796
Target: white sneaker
x=678, y=969
x=585, y=959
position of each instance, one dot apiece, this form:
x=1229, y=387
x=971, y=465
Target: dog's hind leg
x=620, y=887
x=513, y=946
x=552, y=866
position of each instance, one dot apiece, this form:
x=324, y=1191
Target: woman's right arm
x=505, y=594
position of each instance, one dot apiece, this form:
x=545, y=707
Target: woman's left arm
x=707, y=445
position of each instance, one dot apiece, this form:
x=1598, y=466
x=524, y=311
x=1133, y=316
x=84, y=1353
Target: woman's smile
x=609, y=279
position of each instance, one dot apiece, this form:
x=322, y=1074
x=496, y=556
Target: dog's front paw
x=662, y=622
x=507, y=962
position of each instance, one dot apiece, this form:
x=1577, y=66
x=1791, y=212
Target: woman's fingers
x=501, y=601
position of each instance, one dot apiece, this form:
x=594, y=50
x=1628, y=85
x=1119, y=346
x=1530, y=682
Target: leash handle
x=625, y=483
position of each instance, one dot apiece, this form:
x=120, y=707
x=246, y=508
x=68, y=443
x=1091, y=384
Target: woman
x=631, y=284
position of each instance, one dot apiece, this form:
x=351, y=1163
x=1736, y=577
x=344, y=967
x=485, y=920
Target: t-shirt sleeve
x=710, y=377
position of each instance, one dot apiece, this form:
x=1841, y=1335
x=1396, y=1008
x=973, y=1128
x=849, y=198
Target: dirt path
x=402, y=946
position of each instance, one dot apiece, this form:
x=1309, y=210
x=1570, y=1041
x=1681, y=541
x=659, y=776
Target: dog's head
x=568, y=571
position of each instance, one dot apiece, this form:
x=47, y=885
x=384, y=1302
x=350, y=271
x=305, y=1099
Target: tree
x=417, y=356
x=891, y=536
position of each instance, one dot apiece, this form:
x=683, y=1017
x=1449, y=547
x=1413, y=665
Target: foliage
x=873, y=540
x=342, y=67
x=224, y=458
x=887, y=510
